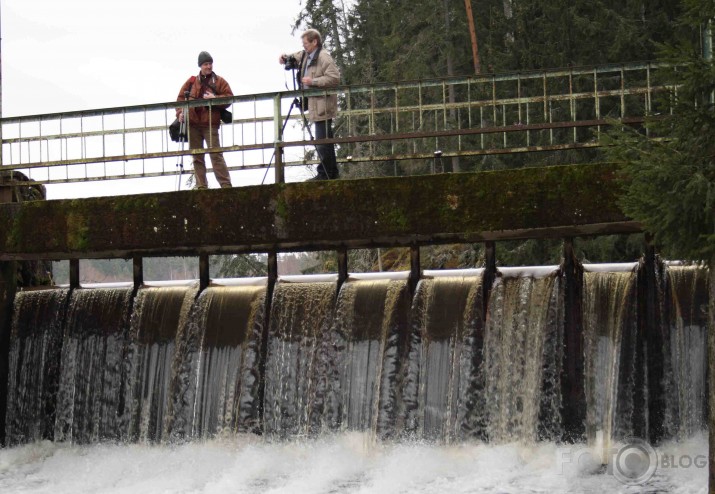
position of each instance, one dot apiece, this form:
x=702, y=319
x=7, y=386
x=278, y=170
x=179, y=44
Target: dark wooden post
x=74, y=273
x=8, y=287
x=272, y=269
x=573, y=411
x=490, y=273
x=342, y=267
x=640, y=406
x=655, y=348
x=415, y=268
x=204, y=275
x=138, y=265
x=649, y=404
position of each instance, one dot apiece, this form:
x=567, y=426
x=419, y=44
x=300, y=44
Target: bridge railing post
x=278, y=142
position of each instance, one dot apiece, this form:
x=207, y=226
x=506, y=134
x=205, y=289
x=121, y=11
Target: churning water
x=344, y=463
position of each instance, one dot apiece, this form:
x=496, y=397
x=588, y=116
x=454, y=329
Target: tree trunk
x=450, y=73
x=509, y=15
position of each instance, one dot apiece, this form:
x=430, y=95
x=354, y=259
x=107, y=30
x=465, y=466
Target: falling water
x=610, y=328
x=370, y=362
x=216, y=367
x=370, y=321
x=687, y=304
x=88, y=404
x=522, y=359
x=298, y=356
x=444, y=354
x=34, y=360
x=156, y=317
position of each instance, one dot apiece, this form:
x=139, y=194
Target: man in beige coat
x=318, y=70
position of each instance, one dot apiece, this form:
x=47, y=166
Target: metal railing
x=411, y=123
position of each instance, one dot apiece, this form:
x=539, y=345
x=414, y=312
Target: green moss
x=281, y=208
x=78, y=237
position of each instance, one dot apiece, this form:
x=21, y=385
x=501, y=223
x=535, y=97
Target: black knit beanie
x=204, y=57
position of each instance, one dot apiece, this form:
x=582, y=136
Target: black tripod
x=297, y=102
x=183, y=136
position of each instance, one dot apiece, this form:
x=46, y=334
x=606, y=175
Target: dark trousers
x=328, y=167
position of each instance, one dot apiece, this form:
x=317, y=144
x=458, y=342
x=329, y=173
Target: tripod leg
x=180, y=165
x=283, y=128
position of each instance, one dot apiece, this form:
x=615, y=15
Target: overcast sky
x=62, y=55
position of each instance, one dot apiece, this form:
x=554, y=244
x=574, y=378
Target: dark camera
x=291, y=62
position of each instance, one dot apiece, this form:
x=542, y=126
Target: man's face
x=207, y=68
x=309, y=46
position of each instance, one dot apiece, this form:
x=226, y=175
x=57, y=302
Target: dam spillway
x=166, y=364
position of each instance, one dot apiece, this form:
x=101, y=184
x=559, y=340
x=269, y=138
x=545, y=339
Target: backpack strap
x=191, y=81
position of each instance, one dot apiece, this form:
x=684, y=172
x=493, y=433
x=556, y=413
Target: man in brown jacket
x=204, y=121
x=318, y=70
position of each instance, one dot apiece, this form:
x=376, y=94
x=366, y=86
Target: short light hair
x=311, y=35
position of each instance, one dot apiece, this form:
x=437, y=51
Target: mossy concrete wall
x=525, y=203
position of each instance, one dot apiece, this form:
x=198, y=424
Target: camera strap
x=207, y=84
x=190, y=84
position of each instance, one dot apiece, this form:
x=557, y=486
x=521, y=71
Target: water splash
x=610, y=328
x=445, y=350
x=156, y=317
x=523, y=355
x=344, y=463
x=686, y=397
x=34, y=361
x=216, y=374
x=88, y=405
x=298, y=353
x=368, y=334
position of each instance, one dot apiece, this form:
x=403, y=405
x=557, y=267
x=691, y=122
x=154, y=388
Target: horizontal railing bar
x=338, y=90
x=360, y=112
x=344, y=160
x=337, y=140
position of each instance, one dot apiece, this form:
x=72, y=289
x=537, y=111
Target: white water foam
x=346, y=463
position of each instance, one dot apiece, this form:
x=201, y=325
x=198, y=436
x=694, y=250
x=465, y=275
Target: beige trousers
x=197, y=137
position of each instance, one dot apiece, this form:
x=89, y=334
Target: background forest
x=378, y=41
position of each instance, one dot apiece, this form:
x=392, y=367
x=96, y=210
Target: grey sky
x=60, y=55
